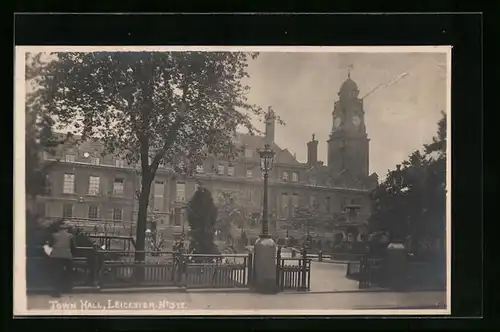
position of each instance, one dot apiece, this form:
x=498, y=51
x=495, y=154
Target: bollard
x=320, y=256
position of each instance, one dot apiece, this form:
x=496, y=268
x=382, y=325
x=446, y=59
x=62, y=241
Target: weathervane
x=349, y=68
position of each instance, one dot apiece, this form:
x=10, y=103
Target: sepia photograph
x=219, y=180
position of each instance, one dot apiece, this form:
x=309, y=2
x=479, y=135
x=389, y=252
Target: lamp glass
x=266, y=159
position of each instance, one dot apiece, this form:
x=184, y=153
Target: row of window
x=285, y=202
x=71, y=158
x=93, y=212
x=94, y=185
x=118, y=188
x=221, y=169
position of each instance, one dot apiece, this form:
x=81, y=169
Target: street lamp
x=265, y=247
x=266, y=164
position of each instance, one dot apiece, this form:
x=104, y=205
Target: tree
x=230, y=213
x=202, y=215
x=411, y=202
x=312, y=216
x=151, y=107
x=39, y=139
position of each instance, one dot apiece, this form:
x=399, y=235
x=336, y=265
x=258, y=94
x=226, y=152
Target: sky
x=400, y=118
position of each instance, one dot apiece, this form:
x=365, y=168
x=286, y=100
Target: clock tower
x=348, y=146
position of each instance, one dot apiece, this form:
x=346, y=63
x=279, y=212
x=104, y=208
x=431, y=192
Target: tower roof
x=348, y=85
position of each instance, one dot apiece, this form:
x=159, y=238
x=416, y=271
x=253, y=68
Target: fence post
x=278, y=268
x=183, y=266
x=303, y=271
x=250, y=269
x=98, y=268
x=363, y=273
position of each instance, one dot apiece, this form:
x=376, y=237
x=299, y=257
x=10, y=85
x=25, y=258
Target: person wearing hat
x=62, y=244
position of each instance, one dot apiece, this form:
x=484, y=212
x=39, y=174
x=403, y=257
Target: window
x=159, y=188
x=118, y=186
x=70, y=158
x=284, y=205
x=93, y=212
x=181, y=192
x=249, y=173
x=285, y=176
x=117, y=214
x=41, y=209
x=295, y=201
x=177, y=216
x=248, y=153
x=199, y=169
x=328, y=207
x=119, y=163
x=343, y=204
x=295, y=176
x=220, y=169
x=67, y=210
x=95, y=160
x=313, y=181
x=69, y=184
x=312, y=201
x=47, y=155
x=230, y=170
x=250, y=195
x=94, y=182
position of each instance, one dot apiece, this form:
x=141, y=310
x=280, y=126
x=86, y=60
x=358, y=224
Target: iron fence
x=119, y=269
x=293, y=273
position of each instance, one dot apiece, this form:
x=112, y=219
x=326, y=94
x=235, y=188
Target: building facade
x=87, y=186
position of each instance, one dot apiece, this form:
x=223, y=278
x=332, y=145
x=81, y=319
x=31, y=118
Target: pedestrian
x=62, y=244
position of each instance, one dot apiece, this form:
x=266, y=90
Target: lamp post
x=265, y=247
x=266, y=164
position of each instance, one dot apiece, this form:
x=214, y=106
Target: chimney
x=270, y=125
x=312, y=151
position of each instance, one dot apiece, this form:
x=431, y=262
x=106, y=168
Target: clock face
x=336, y=122
x=356, y=120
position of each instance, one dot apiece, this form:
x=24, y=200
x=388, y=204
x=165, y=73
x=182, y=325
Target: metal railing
x=119, y=269
x=293, y=273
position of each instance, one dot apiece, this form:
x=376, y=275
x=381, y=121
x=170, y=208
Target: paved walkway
x=199, y=300
x=327, y=276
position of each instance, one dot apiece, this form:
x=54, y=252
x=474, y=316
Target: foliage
x=39, y=139
x=174, y=108
x=231, y=213
x=202, y=216
x=412, y=200
x=312, y=216
x=39, y=135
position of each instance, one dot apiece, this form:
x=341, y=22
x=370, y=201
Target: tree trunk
x=142, y=217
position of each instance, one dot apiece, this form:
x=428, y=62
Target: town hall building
x=98, y=189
